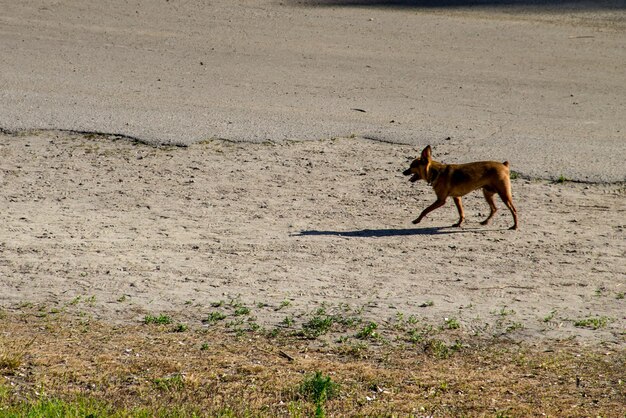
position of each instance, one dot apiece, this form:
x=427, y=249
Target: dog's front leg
x=439, y=203
x=459, y=207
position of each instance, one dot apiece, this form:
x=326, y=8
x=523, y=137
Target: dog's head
x=420, y=166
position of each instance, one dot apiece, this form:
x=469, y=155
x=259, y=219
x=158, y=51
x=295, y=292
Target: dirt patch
x=119, y=230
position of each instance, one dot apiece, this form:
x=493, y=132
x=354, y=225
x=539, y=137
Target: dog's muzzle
x=413, y=179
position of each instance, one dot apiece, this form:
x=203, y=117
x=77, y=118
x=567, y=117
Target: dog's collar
x=433, y=178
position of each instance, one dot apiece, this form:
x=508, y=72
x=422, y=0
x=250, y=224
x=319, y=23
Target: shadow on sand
x=379, y=233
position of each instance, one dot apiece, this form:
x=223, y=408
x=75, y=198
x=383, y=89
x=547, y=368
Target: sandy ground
x=117, y=229
x=135, y=230
x=541, y=83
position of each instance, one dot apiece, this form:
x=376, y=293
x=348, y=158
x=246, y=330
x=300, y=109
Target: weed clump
x=318, y=388
x=593, y=323
x=368, y=331
x=320, y=324
x=159, y=320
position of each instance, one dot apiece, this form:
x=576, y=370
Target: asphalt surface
x=541, y=85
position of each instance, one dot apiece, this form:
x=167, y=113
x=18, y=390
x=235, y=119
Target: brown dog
x=457, y=180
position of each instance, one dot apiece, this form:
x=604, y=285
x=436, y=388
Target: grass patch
x=368, y=331
x=452, y=323
x=159, y=320
x=318, y=388
x=181, y=328
x=504, y=312
x=174, y=382
x=242, y=310
x=140, y=371
x=550, y=316
x=319, y=324
x=440, y=349
x=215, y=316
x=53, y=407
x=288, y=321
x=10, y=360
x=592, y=323
x=283, y=304
x=12, y=357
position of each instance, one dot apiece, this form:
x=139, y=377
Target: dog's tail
x=506, y=164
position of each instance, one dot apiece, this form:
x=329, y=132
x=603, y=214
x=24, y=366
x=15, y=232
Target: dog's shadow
x=380, y=233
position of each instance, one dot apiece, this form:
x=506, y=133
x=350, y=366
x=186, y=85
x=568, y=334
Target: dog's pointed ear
x=426, y=153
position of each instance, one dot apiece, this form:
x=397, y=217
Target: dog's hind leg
x=492, y=205
x=459, y=207
x=508, y=201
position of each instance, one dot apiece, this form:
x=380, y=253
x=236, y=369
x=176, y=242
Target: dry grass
x=214, y=372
